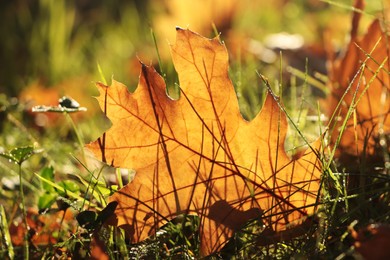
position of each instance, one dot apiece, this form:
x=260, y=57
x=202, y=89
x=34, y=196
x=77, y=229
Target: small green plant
x=18, y=156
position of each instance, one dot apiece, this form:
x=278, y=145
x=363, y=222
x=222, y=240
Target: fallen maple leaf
x=361, y=74
x=197, y=155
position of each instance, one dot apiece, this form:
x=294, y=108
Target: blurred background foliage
x=51, y=48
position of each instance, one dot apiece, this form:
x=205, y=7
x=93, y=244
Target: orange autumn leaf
x=197, y=155
x=361, y=74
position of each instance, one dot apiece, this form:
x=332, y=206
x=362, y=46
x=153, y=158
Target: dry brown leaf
x=364, y=68
x=373, y=241
x=41, y=227
x=98, y=248
x=197, y=155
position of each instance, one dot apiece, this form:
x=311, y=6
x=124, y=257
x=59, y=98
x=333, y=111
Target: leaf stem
x=23, y=207
x=78, y=135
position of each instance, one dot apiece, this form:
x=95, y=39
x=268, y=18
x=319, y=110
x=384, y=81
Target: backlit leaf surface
x=197, y=155
x=362, y=75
